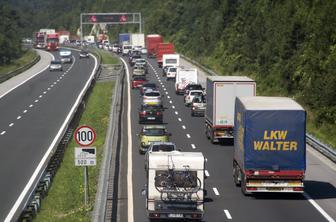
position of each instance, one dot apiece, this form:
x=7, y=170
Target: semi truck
x=163, y=48
x=269, y=145
x=124, y=38
x=221, y=92
x=52, y=42
x=175, y=185
x=185, y=76
x=138, y=39
x=151, y=43
x=40, y=40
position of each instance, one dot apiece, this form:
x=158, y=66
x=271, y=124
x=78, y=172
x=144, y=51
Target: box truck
x=151, y=43
x=138, y=40
x=220, y=96
x=175, y=185
x=163, y=48
x=269, y=145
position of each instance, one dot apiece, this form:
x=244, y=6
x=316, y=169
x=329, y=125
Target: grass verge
x=26, y=58
x=65, y=200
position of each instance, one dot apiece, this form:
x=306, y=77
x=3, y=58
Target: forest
x=288, y=47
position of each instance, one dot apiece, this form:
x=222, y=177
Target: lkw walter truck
x=175, y=185
x=220, y=96
x=269, y=145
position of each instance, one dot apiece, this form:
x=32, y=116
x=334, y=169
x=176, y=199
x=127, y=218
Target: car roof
x=163, y=143
x=154, y=127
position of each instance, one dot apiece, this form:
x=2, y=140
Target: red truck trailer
x=40, y=40
x=52, y=42
x=163, y=48
x=152, y=41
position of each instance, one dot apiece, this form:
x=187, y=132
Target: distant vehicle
x=175, y=183
x=83, y=54
x=221, y=94
x=52, y=42
x=139, y=71
x=185, y=76
x=40, y=40
x=198, y=106
x=150, y=134
x=150, y=114
x=66, y=56
x=138, y=40
x=152, y=40
x=152, y=98
x=147, y=86
x=190, y=96
x=115, y=48
x=126, y=49
x=171, y=73
x=133, y=58
x=193, y=86
x=159, y=147
x=144, y=51
x=163, y=48
x=55, y=65
x=137, y=81
x=171, y=60
x=165, y=70
x=269, y=145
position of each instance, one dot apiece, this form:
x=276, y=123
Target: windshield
x=154, y=132
x=196, y=93
x=163, y=147
x=52, y=40
x=152, y=94
x=55, y=62
x=172, y=70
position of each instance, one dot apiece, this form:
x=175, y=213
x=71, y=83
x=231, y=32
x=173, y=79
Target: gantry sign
x=109, y=18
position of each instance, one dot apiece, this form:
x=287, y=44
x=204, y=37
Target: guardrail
x=31, y=203
x=324, y=149
x=11, y=74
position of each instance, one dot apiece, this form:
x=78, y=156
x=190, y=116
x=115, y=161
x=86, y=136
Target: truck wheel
x=235, y=175
x=243, y=186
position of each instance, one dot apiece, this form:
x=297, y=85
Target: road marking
x=58, y=80
x=176, y=113
x=40, y=96
x=188, y=135
x=170, y=101
x=24, y=111
x=184, y=127
x=326, y=216
x=3, y=132
x=12, y=124
x=36, y=100
x=48, y=89
x=179, y=119
x=164, y=89
x=228, y=215
x=216, y=191
x=168, y=97
x=19, y=117
x=31, y=105
x=55, y=83
x=206, y=173
x=45, y=92
x=61, y=77
x=193, y=146
x=166, y=92
x=51, y=85
x=173, y=107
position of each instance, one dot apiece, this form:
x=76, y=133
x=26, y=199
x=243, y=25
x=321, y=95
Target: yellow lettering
x=282, y=135
x=274, y=135
x=278, y=145
x=273, y=148
x=266, y=146
x=266, y=136
x=286, y=146
x=258, y=145
x=293, y=146
x=238, y=117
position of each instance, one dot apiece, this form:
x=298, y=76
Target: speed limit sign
x=85, y=135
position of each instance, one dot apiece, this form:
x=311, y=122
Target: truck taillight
x=158, y=113
x=298, y=189
x=154, y=215
x=251, y=188
x=196, y=216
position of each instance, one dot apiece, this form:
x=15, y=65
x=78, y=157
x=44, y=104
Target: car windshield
x=193, y=87
x=172, y=69
x=137, y=78
x=196, y=93
x=55, y=62
x=152, y=94
x=163, y=147
x=149, y=85
x=154, y=132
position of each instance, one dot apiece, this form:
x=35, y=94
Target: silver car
x=55, y=65
x=152, y=98
x=139, y=71
x=191, y=94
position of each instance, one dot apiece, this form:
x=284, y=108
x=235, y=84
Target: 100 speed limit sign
x=85, y=135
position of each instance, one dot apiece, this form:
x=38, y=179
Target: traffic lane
x=219, y=165
x=31, y=135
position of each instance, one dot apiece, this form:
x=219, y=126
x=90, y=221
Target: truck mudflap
x=281, y=186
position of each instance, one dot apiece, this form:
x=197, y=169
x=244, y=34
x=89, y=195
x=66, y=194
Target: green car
x=152, y=133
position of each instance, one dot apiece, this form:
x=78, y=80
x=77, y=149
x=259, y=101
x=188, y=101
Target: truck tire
x=236, y=175
x=243, y=186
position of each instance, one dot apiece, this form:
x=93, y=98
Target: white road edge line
x=184, y=127
x=34, y=176
x=188, y=135
x=3, y=132
x=206, y=173
x=12, y=124
x=228, y=215
x=19, y=117
x=326, y=216
x=130, y=217
x=215, y=191
x=193, y=146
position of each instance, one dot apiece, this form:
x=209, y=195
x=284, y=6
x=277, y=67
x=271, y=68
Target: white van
x=126, y=49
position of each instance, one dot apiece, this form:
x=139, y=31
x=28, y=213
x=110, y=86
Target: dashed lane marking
x=184, y=127
x=228, y=215
x=24, y=111
x=206, y=173
x=3, y=132
x=31, y=105
x=179, y=119
x=176, y=113
x=173, y=107
x=12, y=124
x=19, y=117
x=215, y=191
x=193, y=146
x=36, y=100
x=188, y=135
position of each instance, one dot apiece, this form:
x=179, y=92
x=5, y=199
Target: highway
x=225, y=201
x=32, y=114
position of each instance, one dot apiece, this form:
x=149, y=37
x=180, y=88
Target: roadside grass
x=107, y=58
x=26, y=58
x=65, y=200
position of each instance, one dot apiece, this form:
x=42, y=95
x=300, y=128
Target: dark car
x=137, y=81
x=134, y=58
x=192, y=86
x=146, y=86
x=150, y=114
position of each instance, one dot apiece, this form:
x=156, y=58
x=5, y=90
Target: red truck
x=163, y=48
x=52, y=42
x=40, y=40
x=152, y=41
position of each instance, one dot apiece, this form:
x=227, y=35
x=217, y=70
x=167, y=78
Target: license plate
x=151, y=118
x=175, y=215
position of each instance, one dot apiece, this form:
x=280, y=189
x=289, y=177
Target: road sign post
x=84, y=155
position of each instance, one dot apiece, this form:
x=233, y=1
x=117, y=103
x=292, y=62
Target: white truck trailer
x=175, y=185
x=171, y=60
x=185, y=76
x=138, y=39
x=220, y=96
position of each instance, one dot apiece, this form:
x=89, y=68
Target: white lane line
x=48, y=89
x=170, y=101
x=184, y=127
x=24, y=111
x=176, y=113
x=45, y=92
x=58, y=80
x=228, y=215
x=215, y=191
x=326, y=216
x=61, y=77
x=173, y=107
x=19, y=117
x=179, y=119
x=55, y=83
x=206, y=173
x=51, y=85
x=36, y=100
x=188, y=135
x=165, y=89
x=193, y=146
x=12, y=124
x=31, y=105
x=168, y=97
x=3, y=132
x=40, y=96
x=166, y=92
